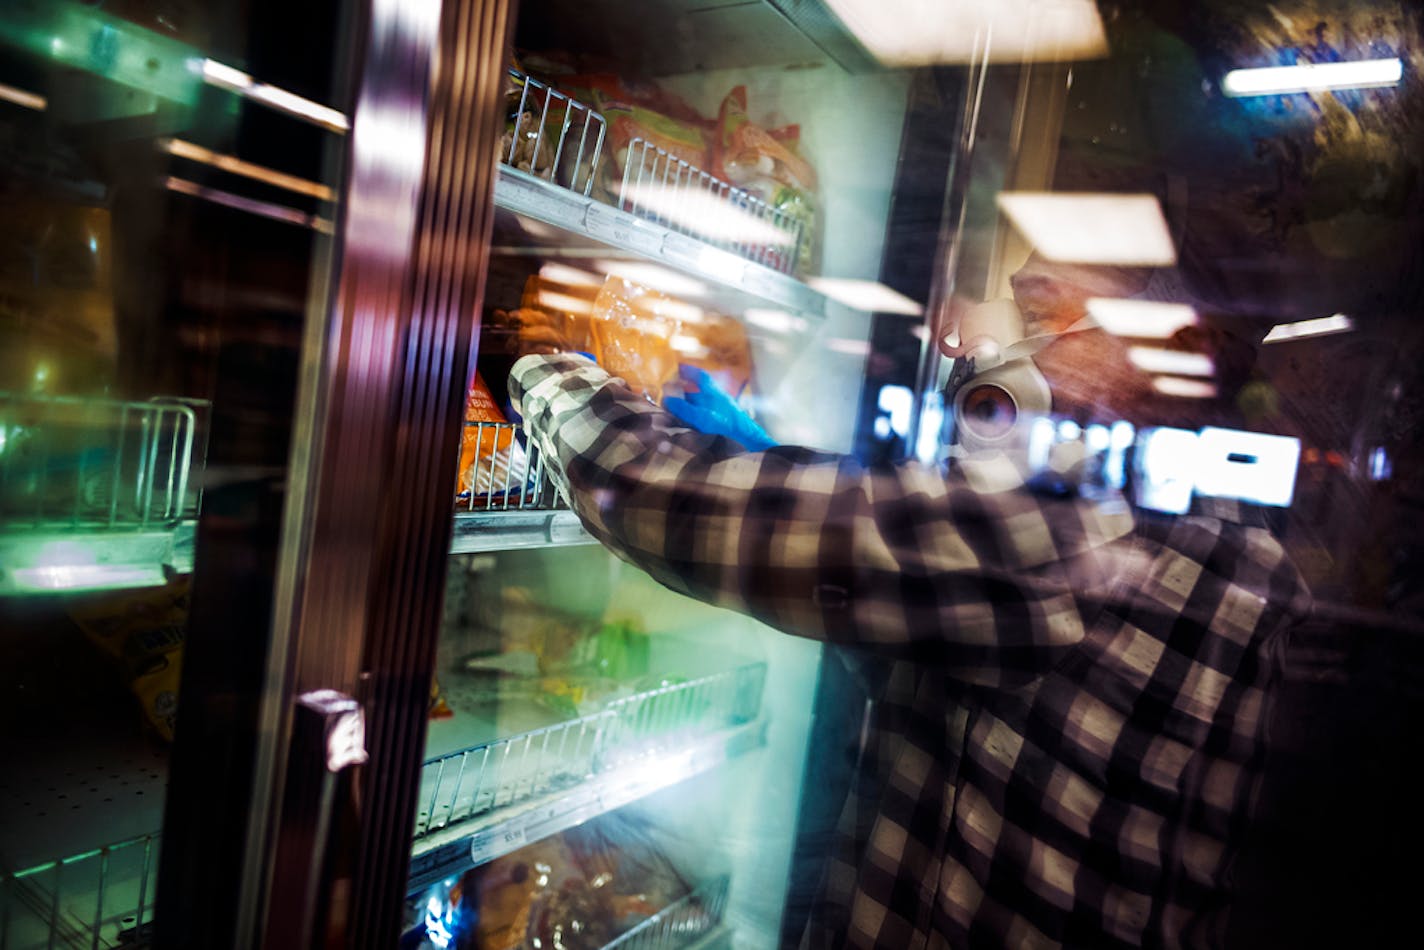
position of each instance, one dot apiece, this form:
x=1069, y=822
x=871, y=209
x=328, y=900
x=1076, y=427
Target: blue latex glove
x=708, y=409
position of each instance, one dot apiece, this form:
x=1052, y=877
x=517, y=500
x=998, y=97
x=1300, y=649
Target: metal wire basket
x=479, y=779
x=99, y=898
x=670, y=191
x=553, y=135
x=559, y=139
x=504, y=474
x=681, y=922
x=85, y=464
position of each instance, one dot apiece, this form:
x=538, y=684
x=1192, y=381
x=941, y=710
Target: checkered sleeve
x=967, y=572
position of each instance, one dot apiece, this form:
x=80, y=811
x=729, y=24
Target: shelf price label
x=486, y=847
x=623, y=230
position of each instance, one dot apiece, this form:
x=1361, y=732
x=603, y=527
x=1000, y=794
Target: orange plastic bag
x=488, y=451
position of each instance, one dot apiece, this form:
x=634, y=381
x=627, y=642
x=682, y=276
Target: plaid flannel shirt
x=1071, y=735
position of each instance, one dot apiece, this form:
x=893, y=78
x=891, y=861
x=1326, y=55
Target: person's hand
x=708, y=409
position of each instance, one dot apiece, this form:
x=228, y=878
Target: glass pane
x=164, y=190
x=1102, y=318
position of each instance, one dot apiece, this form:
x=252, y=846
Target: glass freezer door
x=1157, y=257
x=166, y=187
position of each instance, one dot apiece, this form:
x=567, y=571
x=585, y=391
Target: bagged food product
x=565, y=309
x=142, y=632
x=633, y=332
x=491, y=461
x=620, y=854
x=578, y=890
x=638, y=164
x=719, y=345
x=765, y=163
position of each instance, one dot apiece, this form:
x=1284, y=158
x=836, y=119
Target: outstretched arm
x=944, y=570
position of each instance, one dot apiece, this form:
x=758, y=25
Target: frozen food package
x=566, y=308
x=142, y=632
x=491, y=461
x=577, y=890
x=537, y=896
x=718, y=344
x=766, y=163
x=633, y=332
x=628, y=124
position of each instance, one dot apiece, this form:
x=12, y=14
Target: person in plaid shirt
x=1070, y=734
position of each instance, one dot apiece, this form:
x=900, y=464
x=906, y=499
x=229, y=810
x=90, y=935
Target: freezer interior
x=572, y=691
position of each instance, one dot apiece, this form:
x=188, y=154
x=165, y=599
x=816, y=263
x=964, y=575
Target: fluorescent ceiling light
x=655, y=276
x=848, y=347
x=679, y=310
x=706, y=215
x=564, y=302
x=237, y=166
x=1140, y=318
x=22, y=98
x=688, y=345
x=1092, y=228
x=235, y=80
x=572, y=276
x=1320, y=326
x=1151, y=360
x=866, y=295
x=925, y=32
x=777, y=321
x=1312, y=77
x=1184, y=388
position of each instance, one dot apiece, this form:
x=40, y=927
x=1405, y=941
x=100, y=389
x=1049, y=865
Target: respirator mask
x=997, y=398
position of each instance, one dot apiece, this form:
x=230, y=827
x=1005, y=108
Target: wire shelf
x=681, y=922
x=505, y=474
x=547, y=149
x=99, y=898
x=83, y=464
x=475, y=781
x=676, y=194
x=560, y=140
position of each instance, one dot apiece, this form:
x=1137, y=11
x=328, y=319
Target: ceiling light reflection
x=1184, y=388
x=1151, y=360
x=237, y=166
x=1092, y=228
x=1339, y=323
x=926, y=32
x=20, y=97
x=235, y=80
x=1140, y=318
x=1312, y=77
x=866, y=295
x=655, y=276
